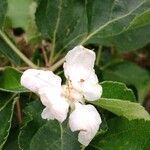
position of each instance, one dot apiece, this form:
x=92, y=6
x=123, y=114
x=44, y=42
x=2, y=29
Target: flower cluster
x=81, y=84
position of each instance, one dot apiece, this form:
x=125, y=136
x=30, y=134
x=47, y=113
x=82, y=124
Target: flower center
x=71, y=94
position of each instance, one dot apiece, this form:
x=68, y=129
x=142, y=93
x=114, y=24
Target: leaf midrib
x=57, y=24
x=10, y=118
x=106, y=106
x=109, y=22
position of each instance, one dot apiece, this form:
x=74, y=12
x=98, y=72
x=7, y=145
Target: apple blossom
x=82, y=84
x=86, y=119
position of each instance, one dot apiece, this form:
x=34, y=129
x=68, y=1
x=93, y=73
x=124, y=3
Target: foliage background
x=38, y=34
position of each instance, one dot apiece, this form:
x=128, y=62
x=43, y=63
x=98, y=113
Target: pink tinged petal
x=86, y=119
x=57, y=104
x=79, y=63
x=34, y=79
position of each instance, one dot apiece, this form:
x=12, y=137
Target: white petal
x=59, y=110
x=92, y=92
x=35, y=79
x=79, y=63
x=46, y=114
x=86, y=119
x=92, y=79
x=90, y=87
x=57, y=104
x=49, y=96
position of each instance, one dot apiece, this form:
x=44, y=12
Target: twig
x=52, y=68
x=18, y=110
x=18, y=68
x=57, y=64
x=98, y=55
x=45, y=56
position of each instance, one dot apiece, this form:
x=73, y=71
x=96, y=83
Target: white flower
x=56, y=105
x=79, y=64
x=86, y=119
x=35, y=79
x=82, y=83
x=48, y=86
x=79, y=69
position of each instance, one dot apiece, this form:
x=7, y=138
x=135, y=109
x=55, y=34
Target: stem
x=16, y=50
x=52, y=54
x=83, y=147
x=18, y=68
x=18, y=109
x=98, y=55
x=61, y=135
x=57, y=64
x=45, y=56
x=57, y=56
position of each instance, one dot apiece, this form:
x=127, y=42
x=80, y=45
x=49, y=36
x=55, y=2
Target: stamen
x=82, y=80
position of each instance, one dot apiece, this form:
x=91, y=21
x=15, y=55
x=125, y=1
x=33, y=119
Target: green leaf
x=4, y=48
x=32, y=122
x=53, y=16
x=141, y=20
x=12, y=141
x=8, y=53
x=4, y=97
x=117, y=90
x=37, y=133
x=108, y=22
x=22, y=18
x=129, y=73
x=10, y=80
x=54, y=136
x=118, y=105
x=3, y=9
x=126, y=109
x=124, y=135
x=131, y=39
x=25, y=17
x=6, y=113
